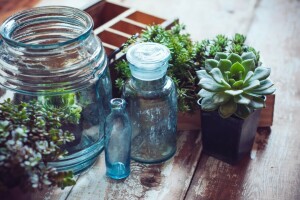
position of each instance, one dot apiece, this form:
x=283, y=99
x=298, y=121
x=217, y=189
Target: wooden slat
x=145, y=18
x=112, y=21
x=127, y=27
x=169, y=180
x=267, y=114
x=104, y=12
x=112, y=38
x=275, y=170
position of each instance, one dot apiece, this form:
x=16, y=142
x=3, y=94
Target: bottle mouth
x=46, y=27
x=117, y=103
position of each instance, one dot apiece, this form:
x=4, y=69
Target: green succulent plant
x=66, y=103
x=234, y=84
x=30, y=137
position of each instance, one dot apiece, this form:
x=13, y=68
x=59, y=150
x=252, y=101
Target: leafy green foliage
x=181, y=64
x=234, y=84
x=65, y=103
x=29, y=138
x=186, y=58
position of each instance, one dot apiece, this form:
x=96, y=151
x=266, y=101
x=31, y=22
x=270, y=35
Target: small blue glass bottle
x=117, y=140
x=152, y=103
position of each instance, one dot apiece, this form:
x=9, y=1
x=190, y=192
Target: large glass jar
x=152, y=103
x=51, y=55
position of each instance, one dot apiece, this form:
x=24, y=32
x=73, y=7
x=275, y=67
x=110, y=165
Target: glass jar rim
x=11, y=24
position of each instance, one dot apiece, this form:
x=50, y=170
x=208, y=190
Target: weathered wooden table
x=273, y=171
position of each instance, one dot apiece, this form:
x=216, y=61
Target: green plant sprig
x=29, y=138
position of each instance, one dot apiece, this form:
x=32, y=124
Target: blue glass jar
x=117, y=140
x=51, y=55
x=152, y=103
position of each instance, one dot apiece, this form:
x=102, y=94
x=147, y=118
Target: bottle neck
x=117, y=110
x=117, y=105
x=149, y=85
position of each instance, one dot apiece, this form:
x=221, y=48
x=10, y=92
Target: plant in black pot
x=232, y=95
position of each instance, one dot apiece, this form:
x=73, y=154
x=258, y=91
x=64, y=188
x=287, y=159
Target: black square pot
x=228, y=139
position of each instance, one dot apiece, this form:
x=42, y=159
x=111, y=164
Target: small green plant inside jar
x=233, y=89
x=30, y=137
x=66, y=104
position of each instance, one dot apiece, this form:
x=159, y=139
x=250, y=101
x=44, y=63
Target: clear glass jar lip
x=9, y=25
x=148, y=55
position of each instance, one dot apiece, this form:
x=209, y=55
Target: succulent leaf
x=217, y=75
x=265, y=84
x=233, y=92
x=231, y=81
x=249, y=65
x=257, y=103
x=227, y=109
x=251, y=85
x=208, y=105
x=220, y=97
x=241, y=99
x=227, y=86
x=202, y=74
x=210, y=64
x=211, y=85
x=248, y=55
x=224, y=65
x=251, y=93
x=248, y=76
x=234, y=58
x=237, y=84
x=267, y=91
x=204, y=93
x=221, y=55
x=237, y=68
x=261, y=73
x=243, y=111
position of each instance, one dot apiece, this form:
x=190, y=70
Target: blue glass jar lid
x=148, y=60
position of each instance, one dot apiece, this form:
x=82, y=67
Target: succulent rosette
x=234, y=85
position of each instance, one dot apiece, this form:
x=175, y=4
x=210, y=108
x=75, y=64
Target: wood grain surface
x=274, y=171
x=169, y=180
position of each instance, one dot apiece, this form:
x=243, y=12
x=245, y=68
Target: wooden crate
x=114, y=24
x=193, y=121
